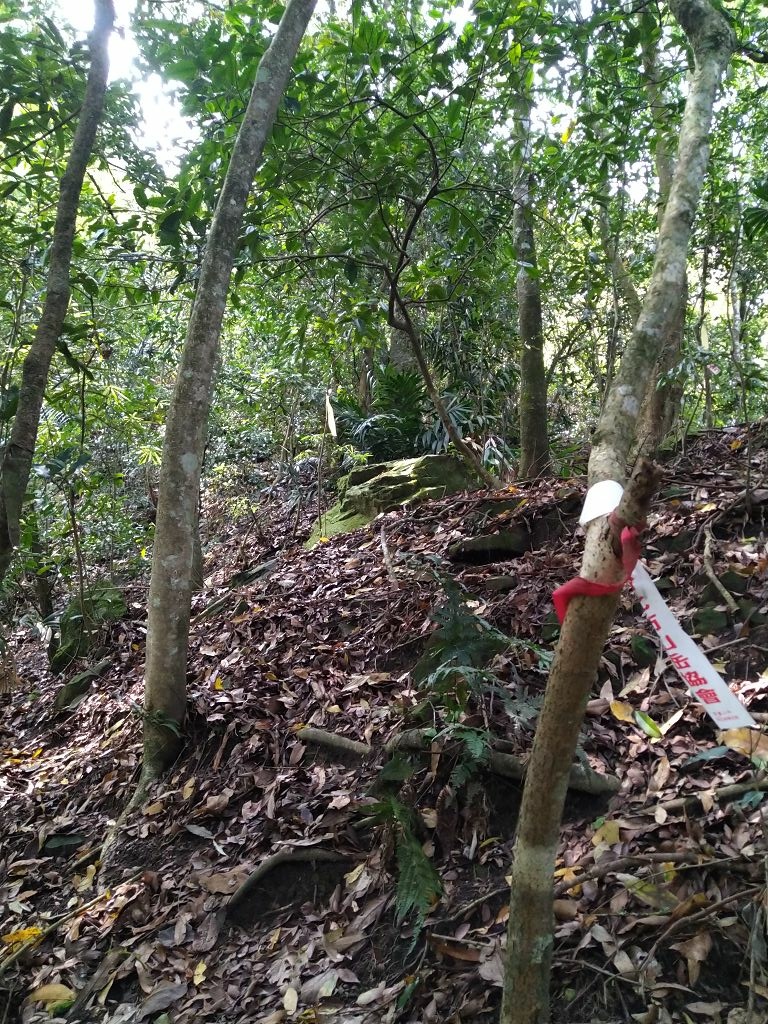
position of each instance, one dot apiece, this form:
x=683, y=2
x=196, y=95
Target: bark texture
x=712, y=42
x=702, y=340
x=663, y=397
x=19, y=452
x=586, y=626
x=623, y=288
x=172, y=563
x=534, y=441
x=574, y=669
x=400, y=351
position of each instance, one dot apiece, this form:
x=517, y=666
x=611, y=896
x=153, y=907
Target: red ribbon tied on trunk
x=630, y=552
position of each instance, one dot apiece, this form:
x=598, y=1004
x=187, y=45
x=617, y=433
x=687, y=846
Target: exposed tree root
x=758, y=784
x=715, y=580
x=96, y=983
x=291, y=855
x=109, y=846
x=582, y=778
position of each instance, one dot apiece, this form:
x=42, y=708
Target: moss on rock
x=381, y=487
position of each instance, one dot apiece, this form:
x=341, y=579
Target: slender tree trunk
x=662, y=402
x=406, y=326
x=534, y=440
x=702, y=338
x=737, y=313
x=19, y=452
x=663, y=398
x=623, y=287
x=586, y=626
x=364, y=379
x=172, y=562
x=401, y=351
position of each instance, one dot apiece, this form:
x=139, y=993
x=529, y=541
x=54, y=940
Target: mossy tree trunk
x=173, y=557
x=586, y=626
x=20, y=450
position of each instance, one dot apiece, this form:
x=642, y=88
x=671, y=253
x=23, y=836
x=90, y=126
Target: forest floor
x=660, y=903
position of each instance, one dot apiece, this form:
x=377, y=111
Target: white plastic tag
x=601, y=499
x=709, y=689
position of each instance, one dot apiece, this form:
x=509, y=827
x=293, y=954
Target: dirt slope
x=664, y=917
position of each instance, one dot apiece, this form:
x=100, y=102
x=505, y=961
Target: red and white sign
x=710, y=689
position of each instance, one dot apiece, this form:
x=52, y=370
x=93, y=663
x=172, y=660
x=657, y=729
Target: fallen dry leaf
x=53, y=993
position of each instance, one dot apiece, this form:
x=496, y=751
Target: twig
x=86, y=858
x=388, y=558
x=613, y=975
x=724, y=793
x=322, y=738
x=701, y=915
x=581, y=777
x=599, y=871
x=729, y=506
x=238, y=582
x=709, y=568
x=607, y=868
x=97, y=981
x=727, y=643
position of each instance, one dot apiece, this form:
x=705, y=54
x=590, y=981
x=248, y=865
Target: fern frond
x=418, y=884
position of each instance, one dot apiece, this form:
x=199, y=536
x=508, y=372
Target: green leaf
x=168, y=227
x=72, y=361
x=60, y=842
x=9, y=403
x=706, y=755
x=756, y=223
x=749, y=801
x=350, y=270
x=397, y=769
x=648, y=725
x=396, y=133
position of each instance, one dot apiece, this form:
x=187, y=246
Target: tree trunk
x=19, y=452
x=623, y=289
x=534, y=441
x=586, y=626
x=406, y=326
x=702, y=338
x=663, y=398
x=664, y=395
x=400, y=351
x=172, y=562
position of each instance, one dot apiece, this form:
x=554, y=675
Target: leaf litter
x=660, y=889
